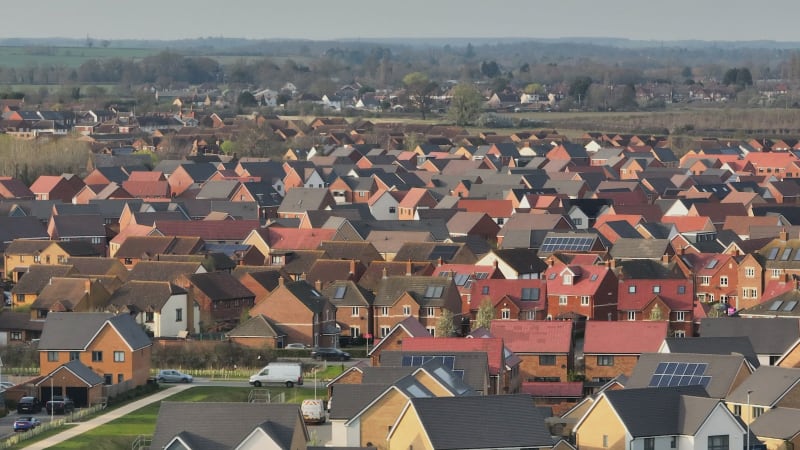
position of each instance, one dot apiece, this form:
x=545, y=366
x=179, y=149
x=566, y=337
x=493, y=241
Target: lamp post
x=750, y=416
x=51, y=398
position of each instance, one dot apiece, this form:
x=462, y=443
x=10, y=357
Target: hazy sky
x=315, y=19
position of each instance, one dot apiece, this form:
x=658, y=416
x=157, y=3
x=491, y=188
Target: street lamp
x=51, y=398
x=750, y=414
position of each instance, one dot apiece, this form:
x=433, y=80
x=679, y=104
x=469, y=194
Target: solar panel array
x=446, y=252
x=577, y=244
x=680, y=374
x=448, y=361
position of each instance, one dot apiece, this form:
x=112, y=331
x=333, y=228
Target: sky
x=658, y=20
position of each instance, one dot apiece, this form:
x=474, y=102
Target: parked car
x=60, y=405
x=26, y=423
x=330, y=353
x=296, y=346
x=7, y=385
x=30, y=405
x=173, y=376
x=284, y=373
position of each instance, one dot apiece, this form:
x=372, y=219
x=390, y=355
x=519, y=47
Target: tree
x=739, y=76
x=445, y=326
x=246, y=99
x=465, y=105
x=490, y=69
x=686, y=72
x=419, y=88
x=485, y=315
x=534, y=88
x=579, y=87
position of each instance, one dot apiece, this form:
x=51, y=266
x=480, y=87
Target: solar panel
x=679, y=374
x=481, y=275
x=552, y=244
x=460, y=279
x=797, y=255
x=775, y=305
x=773, y=253
x=340, y=292
x=785, y=254
x=790, y=305
x=446, y=252
x=711, y=264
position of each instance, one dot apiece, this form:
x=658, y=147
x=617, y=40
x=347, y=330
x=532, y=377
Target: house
x=21, y=254
x=727, y=345
x=772, y=338
x=543, y=347
x=299, y=200
x=515, y=263
x=199, y=426
x=415, y=199
x=56, y=187
x=114, y=347
x=17, y=328
x=511, y=299
x=28, y=287
x=300, y=311
x=514, y=421
x=778, y=428
x=716, y=275
x=767, y=388
x=612, y=349
x=393, y=339
x=585, y=290
x=71, y=295
x=627, y=419
x=353, y=305
x=221, y=299
x=135, y=249
x=425, y=298
x=395, y=365
x=160, y=306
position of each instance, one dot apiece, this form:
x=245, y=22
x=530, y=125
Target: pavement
x=104, y=418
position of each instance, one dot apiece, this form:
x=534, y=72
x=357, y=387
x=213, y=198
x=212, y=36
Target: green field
x=65, y=56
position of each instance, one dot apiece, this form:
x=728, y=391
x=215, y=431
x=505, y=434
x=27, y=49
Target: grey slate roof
x=522, y=260
x=257, y=326
x=767, y=384
x=638, y=248
x=38, y=276
x=348, y=399
x=658, y=411
x=352, y=294
x=722, y=369
x=769, y=336
x=82, y=372
x=714, y=346
x=384, y=374
x=214, y=426
x=74, y=331
x=391, y=288
x=495, y=421
x=777, y=423
x=474, y=364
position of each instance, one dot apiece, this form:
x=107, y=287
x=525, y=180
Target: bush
x=492, y=120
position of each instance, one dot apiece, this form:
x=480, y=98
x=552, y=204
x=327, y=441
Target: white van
x=313, y=411
x=279, y=373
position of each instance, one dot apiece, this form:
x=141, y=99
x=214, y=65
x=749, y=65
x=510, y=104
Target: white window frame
x=680, y=316
x=679, y=333
x=705, y=280
x=723, y=281
x=384, y=331
x=776, y=273
x=430, y=311
x=562, y=299
x=384, y=311
x=585, y=300
x=355, y=311
x=505, y=314
x=750, y=272
x=631, y=315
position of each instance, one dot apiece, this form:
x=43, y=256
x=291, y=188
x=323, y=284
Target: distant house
x=613, y=348
x=162, y=307
x=544, y=348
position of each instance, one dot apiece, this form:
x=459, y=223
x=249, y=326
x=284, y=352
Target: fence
x=112, y=390
x=265, y=396
x=75, y=416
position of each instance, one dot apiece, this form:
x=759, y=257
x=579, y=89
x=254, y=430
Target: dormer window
x=566, y=279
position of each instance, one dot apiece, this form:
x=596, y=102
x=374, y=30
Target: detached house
x=612, y=349
x=425, y=298
x=162, y=307
x=581, y=290
x=221, y=299
x=543, y=347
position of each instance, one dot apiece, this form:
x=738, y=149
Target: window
x=673, y=442
x=119, y=356
x=74, y=355
x=354, y=311
x=605, y=441
x=52, y=356
x=776, y=273
x=547, y=360
x=723, y=281
x=757, y=412
x=562, y=299
x=362, y=194
x=485, y=290
x=430, y=312
x=750, y=272
x=108, y=379
x=505, y=314
x=355, y=332
x=605, y=360
x=649, y=443
x=392, y=210
x=585, y=300
x=719, y=442
x=577, y=221
x=178, y=314
x=127, y=261
x=37, y=259
x=431, y=330
x=16, y=335
x=567, y=279
x=406, y=311
x=750, y=293
x=120, y=378
x=656, y=289
x=41, y=313
x=632, y=289
x=705, y=280
x=384, y=332
x=384, y=310
x=276, y=260
x=737, y=410
x=681, y=289
x=631, y=315
x=679, y=333
x=529, y=294
x=680, y=316
x=148, y=316
x=97, y=356
x=62, y=259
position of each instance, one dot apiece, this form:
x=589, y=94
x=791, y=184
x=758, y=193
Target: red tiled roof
x=529, y=336
x=143, y=175
x=619, y=338
x=413, y=197
x=689, y=223
x=45, y=183
x=492, y=346
x=142, y=189
x=494, y=208
x=668, y=292
x=297, y=238
x=581, y=285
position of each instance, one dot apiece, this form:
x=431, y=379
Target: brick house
x=512, y=299
x=300, y=311
x=584, y=289
x=393, y=341
x=222, y=299
x=716, y=276
x=413, y=296
x=544, y=348
x=353, y=306
x=613, y=348
x=415, y=199
x=56, y=187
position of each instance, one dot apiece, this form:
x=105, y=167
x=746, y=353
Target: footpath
x=104, y=418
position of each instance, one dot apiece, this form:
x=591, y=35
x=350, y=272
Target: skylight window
x=340, y=292
x=773, y=252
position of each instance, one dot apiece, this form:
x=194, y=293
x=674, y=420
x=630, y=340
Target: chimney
x=440, y=262
x=665, y=258
x=384, y=275
x=408, y=268
x=612, y=263
x=318, y=285
x=786, y=277
x=280, y=280
x=680, y=251
x=352, y=266
x=783, y=235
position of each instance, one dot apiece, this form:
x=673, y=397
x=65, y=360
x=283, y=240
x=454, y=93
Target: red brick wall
x=623, y=364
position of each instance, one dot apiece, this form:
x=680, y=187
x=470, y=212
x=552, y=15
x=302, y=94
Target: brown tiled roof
x=375, y=271
x=98, y=266
x=161, y=271
x=329, y=270
x=38, y=276
x=220, y=286
x=211, y=230
x=135, y=296
x=257, y=326
x=68, y=291
x=139, y=246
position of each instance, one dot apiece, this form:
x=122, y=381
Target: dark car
x=59, y=405
x=30, y=405
x=26, y=423
x=330, y=353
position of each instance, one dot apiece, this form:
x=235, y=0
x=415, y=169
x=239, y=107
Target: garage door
x=79, y=395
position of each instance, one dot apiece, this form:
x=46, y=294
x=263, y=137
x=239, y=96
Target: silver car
x=173, y=376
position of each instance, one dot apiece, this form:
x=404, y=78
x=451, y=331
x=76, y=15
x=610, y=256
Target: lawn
x=120, y=433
